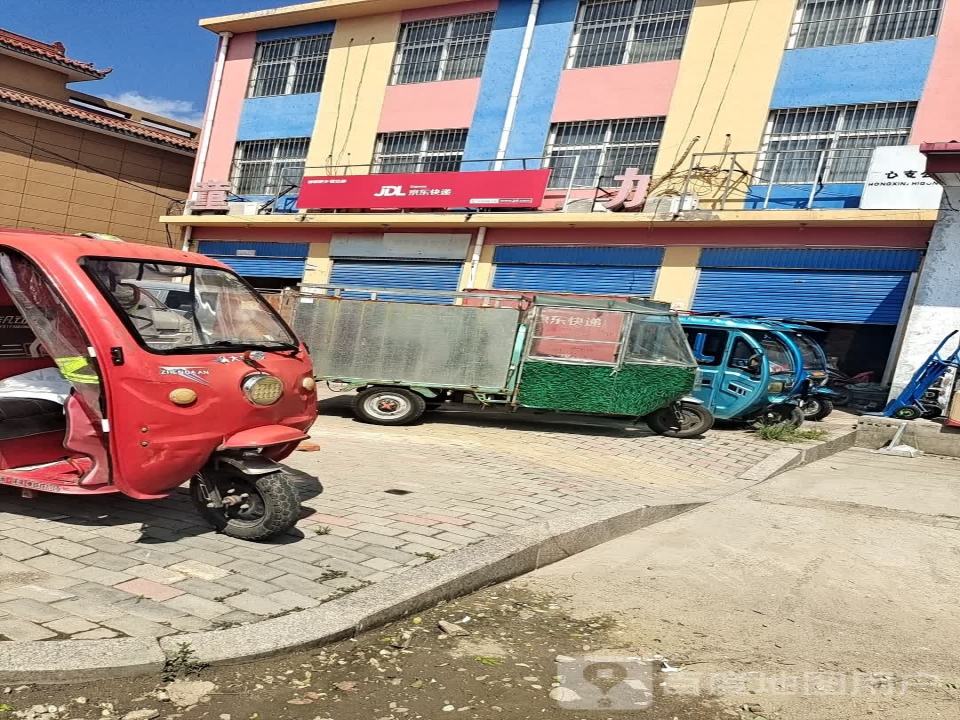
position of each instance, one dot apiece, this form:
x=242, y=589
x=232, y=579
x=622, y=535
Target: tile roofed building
x=75, y=162
x=53, y=52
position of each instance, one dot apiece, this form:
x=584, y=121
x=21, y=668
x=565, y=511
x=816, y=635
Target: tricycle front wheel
x=255, y=507
x=815, y=408
x=685, y=420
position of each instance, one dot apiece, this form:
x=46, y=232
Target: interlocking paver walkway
x=393, y=498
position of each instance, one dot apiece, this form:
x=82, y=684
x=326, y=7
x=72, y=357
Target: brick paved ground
x=394, y=498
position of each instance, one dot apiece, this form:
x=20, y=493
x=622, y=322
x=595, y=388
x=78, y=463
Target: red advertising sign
x=441, y=190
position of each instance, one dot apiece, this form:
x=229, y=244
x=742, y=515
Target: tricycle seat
x=23, y=417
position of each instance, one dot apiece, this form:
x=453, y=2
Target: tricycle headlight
x=775, y=388
x=262, y=389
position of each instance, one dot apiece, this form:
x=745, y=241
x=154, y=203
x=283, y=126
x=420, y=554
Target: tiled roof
x=10, y=96
x=55, y=53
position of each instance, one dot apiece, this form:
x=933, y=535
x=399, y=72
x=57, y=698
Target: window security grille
x=291, y=66
x=442, y=49
x=830, y=144
x=592, y=153
x=266, y=167
x=618, y=32
x=839, y=22
x=427, y=151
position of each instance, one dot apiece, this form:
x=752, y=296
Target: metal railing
x=451, y=48
x=290, y=66
x=857, y=21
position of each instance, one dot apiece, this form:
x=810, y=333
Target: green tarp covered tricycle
x=502, y=351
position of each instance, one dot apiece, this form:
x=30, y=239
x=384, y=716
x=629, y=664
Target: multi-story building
x=74, y=162
x=716, y=154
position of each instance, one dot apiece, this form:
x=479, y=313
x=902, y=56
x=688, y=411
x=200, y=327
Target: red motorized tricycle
x=104, y=388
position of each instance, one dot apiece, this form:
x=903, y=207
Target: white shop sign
x=897, y=180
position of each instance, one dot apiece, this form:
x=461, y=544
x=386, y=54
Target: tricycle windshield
x=777, y=353
x=813, y=357
x=214, y=309
x=659, y=339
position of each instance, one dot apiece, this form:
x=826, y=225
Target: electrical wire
x=706, y=76
x=336, y=118
x=356, y=100
x=33, y=146
x=733, y=70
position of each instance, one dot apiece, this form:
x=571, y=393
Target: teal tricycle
x=758, y=370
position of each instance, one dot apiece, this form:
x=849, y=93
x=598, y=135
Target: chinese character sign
x=577, y=334
x=897, y=180
x=517, y=189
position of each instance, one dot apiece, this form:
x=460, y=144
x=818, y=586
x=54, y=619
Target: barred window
x=830, y=144
x=427, y=151
x=839, y=22
x=266, y=167
x=594, y=152
x=291, y=66
x=618, y=32
x=442, y=49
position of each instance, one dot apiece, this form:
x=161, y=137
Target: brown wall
x=100, y=184
x=33, y=78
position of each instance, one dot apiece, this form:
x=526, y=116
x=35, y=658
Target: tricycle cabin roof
x=43, y=245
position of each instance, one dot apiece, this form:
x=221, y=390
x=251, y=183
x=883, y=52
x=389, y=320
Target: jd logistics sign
x=522, y=189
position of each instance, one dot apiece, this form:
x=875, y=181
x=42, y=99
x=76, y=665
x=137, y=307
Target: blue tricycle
x=758, y=370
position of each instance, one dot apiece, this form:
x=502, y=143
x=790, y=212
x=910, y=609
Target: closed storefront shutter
x=259, y=259
x=827, y=286
x=589, y=270
x=388, y=274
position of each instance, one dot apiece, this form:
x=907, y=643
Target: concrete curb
x=476, y=566
x=489, y=561
x=69, y=661
x=794, y=456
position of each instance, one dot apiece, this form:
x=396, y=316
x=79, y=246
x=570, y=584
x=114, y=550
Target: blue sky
x=162, y=60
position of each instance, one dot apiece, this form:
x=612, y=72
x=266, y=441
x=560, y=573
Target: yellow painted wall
x=319, y=265
x=729, y=66
x=484, y=278
x=677, y=277
x=358, y=70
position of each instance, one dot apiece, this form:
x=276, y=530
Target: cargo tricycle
x=104, y=389
x=410, y=351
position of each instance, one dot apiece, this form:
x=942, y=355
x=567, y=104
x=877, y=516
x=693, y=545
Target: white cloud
x=182, y=110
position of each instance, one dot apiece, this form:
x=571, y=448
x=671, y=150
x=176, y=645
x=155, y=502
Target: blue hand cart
x=909, y=404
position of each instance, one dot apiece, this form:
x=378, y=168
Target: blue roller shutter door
x=590, y=270
x=836, y=286
x=259, y=259
x=401, y=275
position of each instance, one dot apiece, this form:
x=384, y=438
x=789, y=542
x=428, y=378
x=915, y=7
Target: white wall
x=936, y=307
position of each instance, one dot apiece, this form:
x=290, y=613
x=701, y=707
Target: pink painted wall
x=616, y=91
x=429, y=106
x=900, y=237
x=226, y=120
x=937, y=117
x=455, y=8
x=905, y=237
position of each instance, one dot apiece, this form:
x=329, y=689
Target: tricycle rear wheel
x=263, y=506
x=686, y=421
x=389, y=406
x=785, y=414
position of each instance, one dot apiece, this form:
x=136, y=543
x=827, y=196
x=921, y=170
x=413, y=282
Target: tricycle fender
x=252, y=464
x=263, y=436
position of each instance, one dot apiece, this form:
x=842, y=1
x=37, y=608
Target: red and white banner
x=522, y=189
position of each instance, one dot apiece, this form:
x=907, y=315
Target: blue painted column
x=548, y=52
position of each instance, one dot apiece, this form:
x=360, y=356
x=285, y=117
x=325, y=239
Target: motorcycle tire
x=694, y=420
x=815, y=409
x=272, y=505
x=789, y=415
